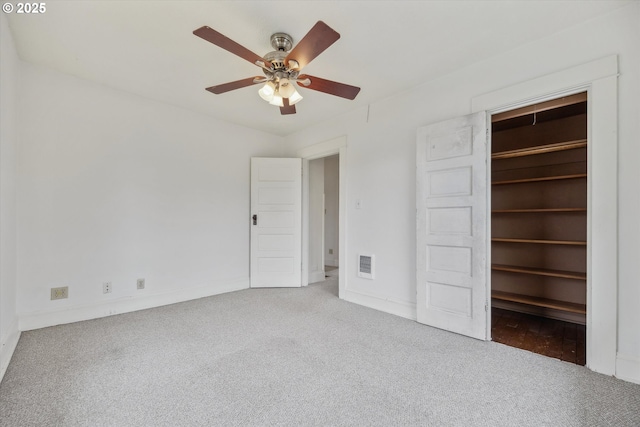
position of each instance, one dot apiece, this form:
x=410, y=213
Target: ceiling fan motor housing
x=278, y=67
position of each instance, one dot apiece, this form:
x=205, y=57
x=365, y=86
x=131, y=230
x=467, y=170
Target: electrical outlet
x=140, y=283
x=330, y=251
x=106, y=288
x=60, y=293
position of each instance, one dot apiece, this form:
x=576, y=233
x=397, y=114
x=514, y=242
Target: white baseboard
x=29, y=321
x=388, y=305
x=628, y=368
x=316, y=276
x=331, y=262
x=8, y=346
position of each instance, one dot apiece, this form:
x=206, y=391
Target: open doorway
x=539, y=227
x=336, y=149
x=324, y=203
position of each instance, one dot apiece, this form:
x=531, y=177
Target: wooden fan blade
x=226, y=87
x=287, y=109
x=211, y=35
x=330, y=87
x=316, y=41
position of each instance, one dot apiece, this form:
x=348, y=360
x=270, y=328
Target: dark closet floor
x=553, y=338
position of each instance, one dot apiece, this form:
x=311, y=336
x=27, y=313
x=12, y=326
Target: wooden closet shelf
x=540, y=107
x=540, y=210
x=539, y=179
x=525, y=168
x=543, y=242
x=540, y=302
x=540, y=271
x=540, y=149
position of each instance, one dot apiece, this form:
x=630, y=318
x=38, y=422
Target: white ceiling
x=147, y=47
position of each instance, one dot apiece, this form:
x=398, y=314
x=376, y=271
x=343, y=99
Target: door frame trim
x=599, y=78
x=317, y=151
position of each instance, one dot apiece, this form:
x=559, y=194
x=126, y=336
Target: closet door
x=452, y=245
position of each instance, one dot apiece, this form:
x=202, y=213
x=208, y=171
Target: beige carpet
x=298, y=357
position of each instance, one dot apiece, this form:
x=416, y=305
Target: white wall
x=331, y=204
x=381, y=162
x=9, y=87
x=113, y=187
x=316, y=224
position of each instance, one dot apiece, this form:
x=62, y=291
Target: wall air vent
x=366, y=266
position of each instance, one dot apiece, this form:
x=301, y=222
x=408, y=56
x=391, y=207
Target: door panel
x=452, y=244
x=276, y=231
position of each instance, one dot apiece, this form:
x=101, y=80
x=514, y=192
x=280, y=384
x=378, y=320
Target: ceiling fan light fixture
x=285, y=88
x=295, y=97
x=277, y=101
x=267, y=91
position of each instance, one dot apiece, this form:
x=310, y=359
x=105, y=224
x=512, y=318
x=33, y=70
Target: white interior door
x=276, y=222
x=452, y=246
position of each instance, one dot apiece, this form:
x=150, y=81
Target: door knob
x=255, y=219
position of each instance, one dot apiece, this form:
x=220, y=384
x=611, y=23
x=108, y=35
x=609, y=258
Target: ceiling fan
x=282, y=67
